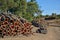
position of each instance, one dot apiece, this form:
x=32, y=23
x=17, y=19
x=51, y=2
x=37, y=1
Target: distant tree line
x=53, y=15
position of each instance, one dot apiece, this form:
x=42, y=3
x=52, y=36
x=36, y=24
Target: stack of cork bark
x=10, y=26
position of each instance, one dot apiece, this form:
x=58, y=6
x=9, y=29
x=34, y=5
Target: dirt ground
x=53, y=34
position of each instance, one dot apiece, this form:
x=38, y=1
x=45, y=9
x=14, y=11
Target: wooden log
x=12, y=26
x=0, y=28
x=4, y=32
x=5, y=23
x=2, y=18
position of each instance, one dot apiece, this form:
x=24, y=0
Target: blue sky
x=49, y=6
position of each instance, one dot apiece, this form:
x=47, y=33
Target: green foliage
x=21, y=8
x=58, y=16
x=32, y=8
x=53, y=14
x=46, y=15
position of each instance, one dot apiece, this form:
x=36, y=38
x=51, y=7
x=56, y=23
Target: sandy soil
x=53, y=34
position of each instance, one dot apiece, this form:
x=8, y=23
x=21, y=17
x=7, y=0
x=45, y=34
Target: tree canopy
x=21, y=8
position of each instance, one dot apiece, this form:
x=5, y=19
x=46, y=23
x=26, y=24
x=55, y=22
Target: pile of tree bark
x=11, y=25
x=41, y=25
